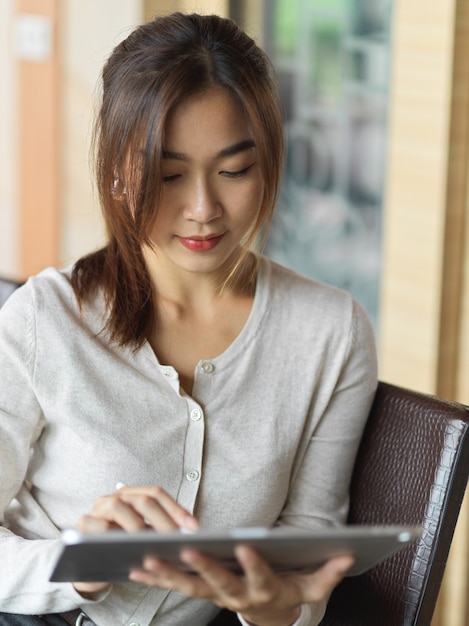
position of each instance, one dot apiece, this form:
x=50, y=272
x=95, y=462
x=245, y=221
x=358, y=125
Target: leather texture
x=412, y=468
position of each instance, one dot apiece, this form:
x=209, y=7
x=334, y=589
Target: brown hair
x=159, y=65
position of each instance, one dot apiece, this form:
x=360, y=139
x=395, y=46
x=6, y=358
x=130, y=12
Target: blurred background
x=375, y=101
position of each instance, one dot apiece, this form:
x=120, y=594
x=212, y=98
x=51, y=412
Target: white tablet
x=110, y=556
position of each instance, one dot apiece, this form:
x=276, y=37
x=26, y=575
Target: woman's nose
x=203, y=204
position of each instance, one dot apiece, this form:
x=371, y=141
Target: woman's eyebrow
x=247, y=144
x=241, y=146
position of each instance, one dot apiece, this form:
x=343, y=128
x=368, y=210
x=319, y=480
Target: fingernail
x=190, y=524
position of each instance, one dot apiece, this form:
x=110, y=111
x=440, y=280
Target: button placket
x=171, y=376
x=193, y=451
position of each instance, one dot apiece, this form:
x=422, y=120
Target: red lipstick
x=200, y=244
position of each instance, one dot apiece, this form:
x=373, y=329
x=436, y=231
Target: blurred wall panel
x=162, y=7
x=415, y=202
x=35, y=32
x=89, y=30
x=59, y=47
x=8, y=146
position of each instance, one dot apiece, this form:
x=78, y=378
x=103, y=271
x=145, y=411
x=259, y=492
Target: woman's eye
x=170, y=178
x=236, y=174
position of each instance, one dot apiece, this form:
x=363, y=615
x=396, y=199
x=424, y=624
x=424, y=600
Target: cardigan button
x=208, y=367
x=196, y=415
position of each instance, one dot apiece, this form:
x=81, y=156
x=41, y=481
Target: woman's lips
x=201, y=244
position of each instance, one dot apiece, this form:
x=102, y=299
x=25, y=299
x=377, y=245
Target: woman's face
x=212, y=185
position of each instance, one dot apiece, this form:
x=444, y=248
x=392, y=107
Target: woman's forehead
x=215, y=118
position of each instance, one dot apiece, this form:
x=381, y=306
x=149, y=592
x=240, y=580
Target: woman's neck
x=195, y=320
x=189, y=290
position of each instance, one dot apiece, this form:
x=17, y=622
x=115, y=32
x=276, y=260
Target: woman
x=223, y=389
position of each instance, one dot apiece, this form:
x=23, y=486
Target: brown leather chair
x=412, y=468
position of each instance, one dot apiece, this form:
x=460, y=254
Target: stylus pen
x=185, y=531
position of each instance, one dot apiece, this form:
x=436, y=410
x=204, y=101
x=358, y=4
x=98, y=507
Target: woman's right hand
x=132, y=509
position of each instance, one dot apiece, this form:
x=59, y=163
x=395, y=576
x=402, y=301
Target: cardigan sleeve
x=327, y=465
x=321, y=480
x=304, y=618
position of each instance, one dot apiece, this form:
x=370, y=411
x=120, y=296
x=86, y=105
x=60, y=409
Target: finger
x=118, y=513
x=158, y=508
x=88, y=589
x=319, y=586
x=260, y=578
x=226, y=585
x=135, y=508
x=156, y=573
x=90, y=524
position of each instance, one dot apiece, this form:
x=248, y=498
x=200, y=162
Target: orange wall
x=38, y=149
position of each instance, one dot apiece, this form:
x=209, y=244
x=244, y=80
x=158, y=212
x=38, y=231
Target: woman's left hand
x=262, y=597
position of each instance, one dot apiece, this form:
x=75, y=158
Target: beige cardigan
x=268, y=437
